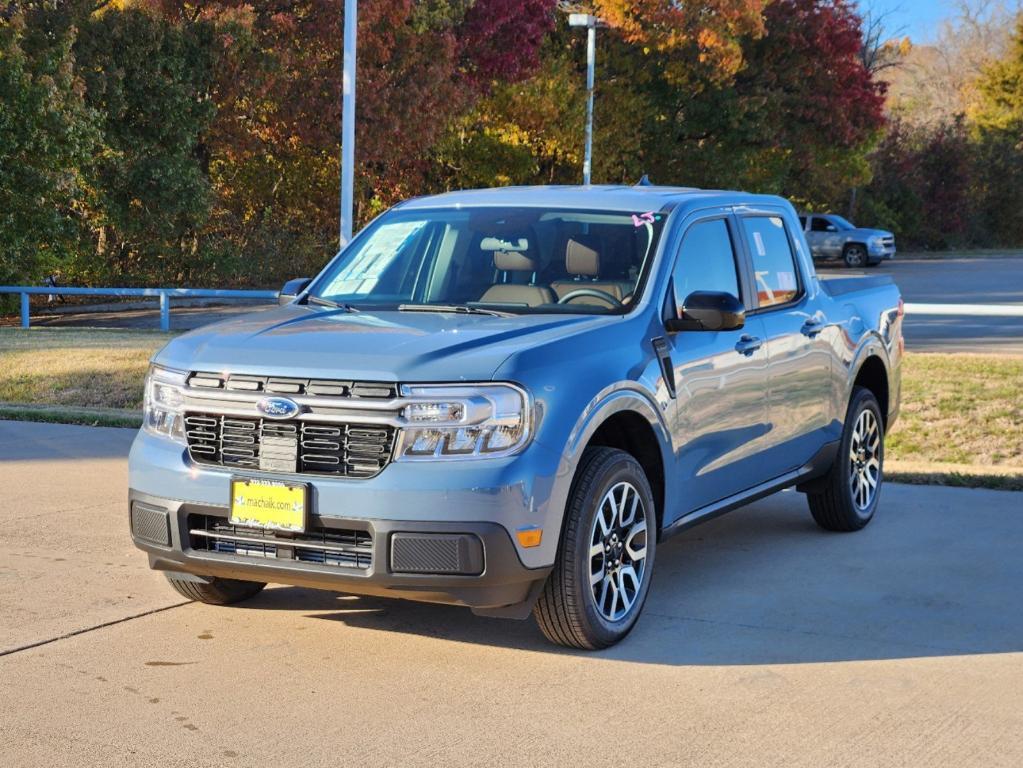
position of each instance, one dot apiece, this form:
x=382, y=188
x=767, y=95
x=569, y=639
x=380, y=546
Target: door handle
x=747, y=345
x=812, y=327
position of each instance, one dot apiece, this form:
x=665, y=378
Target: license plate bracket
x=271, y=504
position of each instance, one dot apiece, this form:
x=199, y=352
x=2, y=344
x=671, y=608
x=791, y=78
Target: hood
x=314, y=342
x=866, y=233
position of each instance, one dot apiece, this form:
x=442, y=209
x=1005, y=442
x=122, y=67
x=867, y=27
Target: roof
x=596, y=197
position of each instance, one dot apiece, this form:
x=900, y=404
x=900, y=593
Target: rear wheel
x=846, y=498
x=217, y=591
x=855, y=256
x=602, y=572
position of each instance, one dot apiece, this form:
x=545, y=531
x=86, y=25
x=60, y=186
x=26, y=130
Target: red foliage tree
x=807, y=67
x=279, y=94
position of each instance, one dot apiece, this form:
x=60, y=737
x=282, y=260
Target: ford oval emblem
x=277, y=407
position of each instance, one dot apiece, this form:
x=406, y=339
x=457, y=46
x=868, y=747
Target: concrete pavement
x=764, y=642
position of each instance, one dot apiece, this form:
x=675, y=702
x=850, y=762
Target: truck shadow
x=935, y=575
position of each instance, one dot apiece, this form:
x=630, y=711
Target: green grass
x=89, y=417
x=75, y=368
x=960, y=409
x=956, y=479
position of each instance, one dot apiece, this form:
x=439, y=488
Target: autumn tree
x=998, y=118
x=47, y=134
x=150, y=83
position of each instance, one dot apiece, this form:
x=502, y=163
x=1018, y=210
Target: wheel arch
x=627, y=419
x=872, y=374
x=630, y=432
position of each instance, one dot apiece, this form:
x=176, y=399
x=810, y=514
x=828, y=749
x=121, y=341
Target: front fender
x=616, y=398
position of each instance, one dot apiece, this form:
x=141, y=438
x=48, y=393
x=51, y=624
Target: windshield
x=841, y=223
x=517, y=260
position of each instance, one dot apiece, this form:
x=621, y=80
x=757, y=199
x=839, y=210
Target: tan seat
x=510, y=293
x=582, y=259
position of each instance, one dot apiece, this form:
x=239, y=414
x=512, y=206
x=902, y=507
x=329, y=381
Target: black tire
x=855, y=256
x=833, y=500
x=567, y=611
x=218, y=591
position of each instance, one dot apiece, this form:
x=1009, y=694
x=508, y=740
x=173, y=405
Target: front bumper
x=881, y=253
x=479, y=503
x=501, y=587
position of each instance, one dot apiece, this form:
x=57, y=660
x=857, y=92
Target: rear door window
x=774, y=264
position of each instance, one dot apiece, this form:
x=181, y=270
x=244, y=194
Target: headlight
x=163, y=410
x=464, y=421
x=877, y=241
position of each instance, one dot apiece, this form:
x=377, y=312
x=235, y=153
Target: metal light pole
x=348, y=122
x=590, y=22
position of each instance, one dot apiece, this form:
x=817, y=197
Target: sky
x=918, y=19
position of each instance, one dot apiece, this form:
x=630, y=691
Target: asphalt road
x=764, y=642
x=957, y=281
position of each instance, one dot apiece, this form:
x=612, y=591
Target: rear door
x=797, y=337
x=721, y=417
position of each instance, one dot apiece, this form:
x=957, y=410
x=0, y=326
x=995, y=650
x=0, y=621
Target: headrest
x=582, y=255
x=514, y=261
x=502, y=244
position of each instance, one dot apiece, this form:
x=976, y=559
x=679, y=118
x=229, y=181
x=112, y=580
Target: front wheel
x=606, y=555
x=846, y=498
x=215, y=591
x=855, y=256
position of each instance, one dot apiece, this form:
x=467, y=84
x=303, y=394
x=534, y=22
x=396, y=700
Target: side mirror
x=709, y=311
x=832, y=228
x=293, y=288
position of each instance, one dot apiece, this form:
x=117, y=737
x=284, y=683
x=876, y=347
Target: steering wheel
x=595, y=293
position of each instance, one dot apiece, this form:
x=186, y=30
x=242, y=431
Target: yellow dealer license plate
x=268, y=504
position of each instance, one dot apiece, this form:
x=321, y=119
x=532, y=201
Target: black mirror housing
x=293, y=288
x=709, y=311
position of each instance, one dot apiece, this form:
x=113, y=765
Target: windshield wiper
x=320, y=301
x=463, y=309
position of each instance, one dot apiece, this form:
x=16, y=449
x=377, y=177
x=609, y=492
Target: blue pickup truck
x=507, y=399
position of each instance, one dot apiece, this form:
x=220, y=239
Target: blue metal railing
x=164, y=294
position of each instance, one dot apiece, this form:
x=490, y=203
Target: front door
x=824, y=240
x=721, y=417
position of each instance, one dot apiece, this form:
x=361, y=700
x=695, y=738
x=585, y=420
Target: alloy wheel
x=855, y=257
x=618, y=548
x=865, y=460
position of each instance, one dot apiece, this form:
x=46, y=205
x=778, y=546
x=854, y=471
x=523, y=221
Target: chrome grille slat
x=321, y=546
x=283, y=385
x=339, y=450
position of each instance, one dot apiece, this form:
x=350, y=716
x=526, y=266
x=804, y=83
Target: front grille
x=280, y=385
x=340, y=450
x=344, y=548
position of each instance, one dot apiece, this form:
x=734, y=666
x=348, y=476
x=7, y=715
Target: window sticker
x=643, y=218
x=758, y=241
x=787, y=281
x=361, y=274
